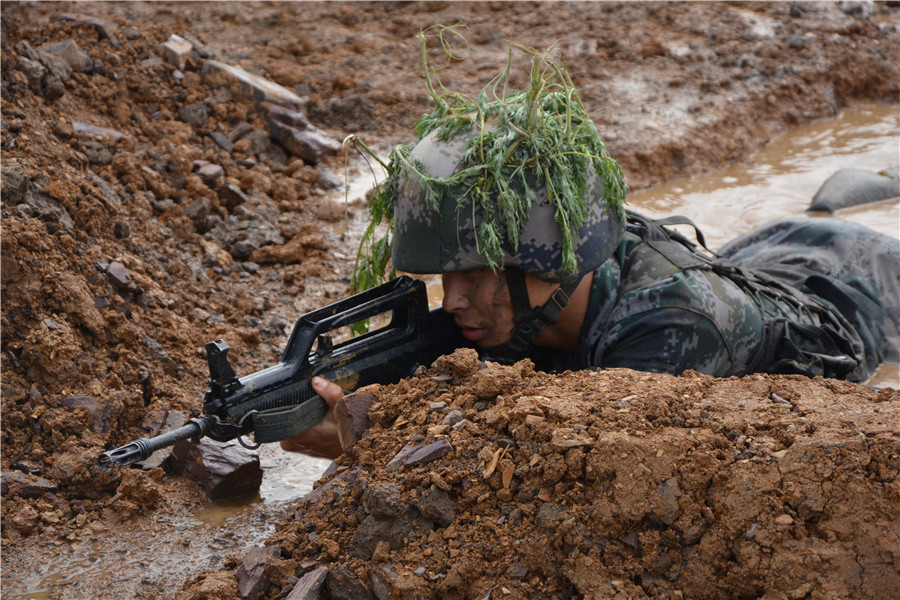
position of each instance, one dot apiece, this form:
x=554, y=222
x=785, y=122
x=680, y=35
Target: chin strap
x=528, y=320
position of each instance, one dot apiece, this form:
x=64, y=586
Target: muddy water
x=779, y=181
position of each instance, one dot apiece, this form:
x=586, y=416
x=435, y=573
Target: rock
x=176, y=50
x=202, y=50
x=219, y=74
x=26, y=519
x=198, y=212
x=299, y=137
x=400, y=458
x=383, y=501
x=381, y=580
x=437, y=506
x=117, y=275
x=222, y=141
x=310, y=585
x=29, y=486
x=77, y=59
x=429, y=453
x=55, y=65
x=88, y=130
x=210, y=173
x=352, y=415
x=341, y=480
x=665, y=503
x=566, y=438
x=43, y=71
x=251, y=576
x=195, y=113
x=342, y=585
x=14, y=184
x=225, y=470
x=231, y=195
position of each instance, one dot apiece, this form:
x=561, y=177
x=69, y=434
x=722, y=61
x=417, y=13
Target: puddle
x=779, y=181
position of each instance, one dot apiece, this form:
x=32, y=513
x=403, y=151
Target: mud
x=119, y=261
x=607, y=484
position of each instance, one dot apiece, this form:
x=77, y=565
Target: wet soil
x=121, y=258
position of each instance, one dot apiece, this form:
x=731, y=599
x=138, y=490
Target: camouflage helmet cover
x=444, y=240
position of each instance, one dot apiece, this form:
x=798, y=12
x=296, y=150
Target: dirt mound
x=606, y=484
x=147, y=210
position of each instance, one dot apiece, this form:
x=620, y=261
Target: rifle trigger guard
x=240, y=438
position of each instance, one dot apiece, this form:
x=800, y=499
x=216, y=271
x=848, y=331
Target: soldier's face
x=479, y=301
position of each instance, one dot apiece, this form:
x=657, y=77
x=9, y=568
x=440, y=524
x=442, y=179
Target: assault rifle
x=278, y=402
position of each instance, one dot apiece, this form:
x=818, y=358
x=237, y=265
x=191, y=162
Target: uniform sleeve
x=691, y=320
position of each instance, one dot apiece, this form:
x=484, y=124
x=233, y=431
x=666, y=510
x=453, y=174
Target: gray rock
x=224, y=470
x=97, y=154
x=310, y=585
x=259, y=141
x=429, y=453
x=665, y=509
x=297, y=136
x=198, y=212
x=92, y=131
x=108, y=192
x=30, y=486
x=382, y=582
x=230, y=196
x=203, y=51
x=222, y=140
x=14, y=182
x=251, y=576
x=195, y=113
x=210, y=173
x=54, y=64
x=117, y=274
x=400, y=458
x=437, y=506
x=383, y=501
x=77, y=59
x=342, y=585
x=219, y=74
x=244, y=232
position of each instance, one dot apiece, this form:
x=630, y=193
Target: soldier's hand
x=322, y=439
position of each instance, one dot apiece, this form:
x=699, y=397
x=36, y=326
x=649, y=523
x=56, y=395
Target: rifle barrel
x=142, y=449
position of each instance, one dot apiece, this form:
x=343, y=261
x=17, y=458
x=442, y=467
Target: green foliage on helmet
x=539, y=137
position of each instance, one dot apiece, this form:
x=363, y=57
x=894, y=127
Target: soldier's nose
x=454, y=293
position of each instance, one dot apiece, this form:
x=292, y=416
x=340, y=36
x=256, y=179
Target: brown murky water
x=779, y=181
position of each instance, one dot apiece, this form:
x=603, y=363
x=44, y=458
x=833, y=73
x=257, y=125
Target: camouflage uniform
x=810, y=296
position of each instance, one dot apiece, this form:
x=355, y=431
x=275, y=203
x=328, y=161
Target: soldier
x=811, y=296
x=547, y=264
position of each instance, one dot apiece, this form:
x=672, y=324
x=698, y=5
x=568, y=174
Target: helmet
x=443, y=237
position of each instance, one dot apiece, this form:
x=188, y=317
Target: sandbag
x=852, y=187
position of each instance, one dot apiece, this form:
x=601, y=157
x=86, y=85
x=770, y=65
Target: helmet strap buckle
x=528, y=320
